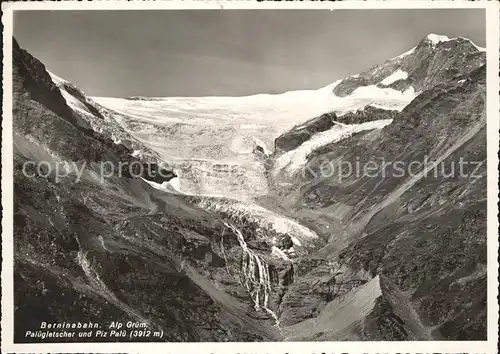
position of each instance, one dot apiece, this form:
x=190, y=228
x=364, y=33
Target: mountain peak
x=436, y=59
x=436, y=38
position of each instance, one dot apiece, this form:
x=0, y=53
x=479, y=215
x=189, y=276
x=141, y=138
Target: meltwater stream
x=255, y=274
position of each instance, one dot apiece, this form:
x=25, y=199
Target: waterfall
x=255, y=274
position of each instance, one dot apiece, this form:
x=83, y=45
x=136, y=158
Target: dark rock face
x=75, y=263
x=40, y=111
x=349, y=84
x=424, y=232
x=300, y=134
x=75, y=92
x=368, y=114
x=30, y=77
x=375, y=311
x=259, y=150
x=115, y=251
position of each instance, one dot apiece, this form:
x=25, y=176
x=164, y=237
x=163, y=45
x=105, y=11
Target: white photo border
x=7, y=302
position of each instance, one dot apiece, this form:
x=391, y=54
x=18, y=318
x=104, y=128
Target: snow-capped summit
x=437, y=58
x=437, y=38
x=386, y=88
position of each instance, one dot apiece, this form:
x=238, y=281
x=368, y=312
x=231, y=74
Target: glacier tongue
x=268, y=221
x=240, y=180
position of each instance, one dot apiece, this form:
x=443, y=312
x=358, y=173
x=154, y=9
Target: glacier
x=198, y=135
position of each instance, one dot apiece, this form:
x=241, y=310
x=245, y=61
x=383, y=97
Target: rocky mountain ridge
x=414, y=228
x=434, y=60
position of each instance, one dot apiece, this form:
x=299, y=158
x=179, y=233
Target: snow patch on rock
x=386, y=98
x=169, y=187
x=56, y=79
x=278, y=253
x=395, y=76
x=405, y=54
x=437, y=38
